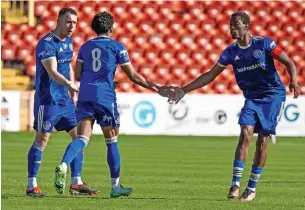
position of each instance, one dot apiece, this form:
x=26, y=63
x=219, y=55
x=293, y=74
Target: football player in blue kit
x=53, y=107
x=252, y=58
x=95, y=68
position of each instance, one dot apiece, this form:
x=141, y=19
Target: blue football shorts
x=263, y=116
x=106, y=114
x=60, y=117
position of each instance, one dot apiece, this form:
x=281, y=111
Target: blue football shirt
x=100, y=57
x=254, y=69
x=48, y=91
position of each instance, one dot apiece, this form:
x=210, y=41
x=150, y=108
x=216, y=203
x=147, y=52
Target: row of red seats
x=153, y=10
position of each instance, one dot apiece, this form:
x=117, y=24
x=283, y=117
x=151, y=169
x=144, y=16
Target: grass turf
x=164, y=172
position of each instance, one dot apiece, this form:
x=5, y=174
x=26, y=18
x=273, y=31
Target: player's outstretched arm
x=51, y=67
x=201, y=81
x=139, y=80
x=291, y=68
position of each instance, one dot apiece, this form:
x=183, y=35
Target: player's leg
x=44, y=121
x=34, y=161
x=114, y=162
x=241, y=156
x=77, y=163
x=78, y=187
x=257, y=167
x=84, y=114
x=108, y=119
x=269, y=115
x=68, y=123
x=247, y=120
x=78, y=144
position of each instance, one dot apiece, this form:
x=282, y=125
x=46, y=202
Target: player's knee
x=110, y=132
x=42, y=139
x=246, y=133
x=111, y=140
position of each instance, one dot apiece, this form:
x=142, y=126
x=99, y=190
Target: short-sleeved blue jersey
x=100, y=57
x=48, y=91
x=254, y=69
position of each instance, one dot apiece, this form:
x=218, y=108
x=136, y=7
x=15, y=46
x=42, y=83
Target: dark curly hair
x=102, y=23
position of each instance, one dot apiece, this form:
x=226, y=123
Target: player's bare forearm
x=201, y=81
x=139, y=80
x=204, y=79
x=72, y=75
x=290, y=66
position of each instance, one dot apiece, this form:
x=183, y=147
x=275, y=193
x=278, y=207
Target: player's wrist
x=69, y=83
x=184, y=90
x=155, y=88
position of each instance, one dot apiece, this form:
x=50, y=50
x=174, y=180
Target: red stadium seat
x=83, y=26
x=177, y=27
x=179, y=72
x=152, y=56
x=163, y=71
x=50, y=24
x=150, y=11
x=183, y=57
x=131, y=26
x=156, y=34
x=7, y=27
x=193, y=27
x=156, y=41
x=78, y=39
x=24, y=52
x=120, y=76
x=194, y=71
x=88, y=11
x=30, y=38
x=199, y=57
x=146, y=27
x=126, y=39
x=136, y=56
x=161, y=26
x=8, y=53
x=141, y=41
x=103, y=6
x=119, y=10
x=41, y=7
x=14, y=36
x=147, y=70
x=31, y=70
x=125, y=86
x=167, y=55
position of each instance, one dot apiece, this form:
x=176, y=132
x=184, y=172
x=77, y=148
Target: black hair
x=244, y=17
x=102, y=23
x=66, y=10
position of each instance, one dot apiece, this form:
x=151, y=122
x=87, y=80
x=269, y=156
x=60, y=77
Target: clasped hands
x=174, y=94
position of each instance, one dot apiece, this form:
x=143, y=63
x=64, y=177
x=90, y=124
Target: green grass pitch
x=164, y=172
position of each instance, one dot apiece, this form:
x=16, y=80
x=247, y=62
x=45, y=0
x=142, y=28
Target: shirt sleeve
x=271, y=48
x=46, y=51
x=224, y=58
x=80, y=55
x=122, y=55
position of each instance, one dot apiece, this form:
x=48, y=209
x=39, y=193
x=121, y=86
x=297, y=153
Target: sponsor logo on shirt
x=252, y=67
x=64, y=60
